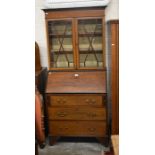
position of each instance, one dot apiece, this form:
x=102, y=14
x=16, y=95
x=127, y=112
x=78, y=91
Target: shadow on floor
x=78, y=139
x=74, y=146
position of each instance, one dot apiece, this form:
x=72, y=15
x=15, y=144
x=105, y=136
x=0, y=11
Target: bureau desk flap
x=76, y=82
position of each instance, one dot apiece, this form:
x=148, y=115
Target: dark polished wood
x=36, y=149
x=74, y=13
x=76, y=113
x=77, y=128
x=114, y=31
x=40, y=80
x=103, y=140
x=114, y=21
x=76, y=102
x=40, y=72
x=52, y=140
x=37, y=58
x=65, y=100
x=39, y=115
x=76, y=82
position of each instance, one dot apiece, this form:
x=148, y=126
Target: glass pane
x=90, y=43
x=60, y=42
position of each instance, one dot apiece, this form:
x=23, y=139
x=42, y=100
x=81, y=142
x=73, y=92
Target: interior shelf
x=81, y=51
x=80, y=35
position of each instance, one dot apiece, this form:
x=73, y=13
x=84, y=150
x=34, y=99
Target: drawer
x=77, y=128
x=69, y=100
x=93, y=100
x=77, y=113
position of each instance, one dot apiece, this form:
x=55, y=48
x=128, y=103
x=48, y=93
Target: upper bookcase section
x=76, y=38
x=74, y=3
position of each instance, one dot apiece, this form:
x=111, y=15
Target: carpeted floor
x=74, y=148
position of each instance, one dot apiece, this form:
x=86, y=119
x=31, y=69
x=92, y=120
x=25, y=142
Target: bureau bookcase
x=76, y=85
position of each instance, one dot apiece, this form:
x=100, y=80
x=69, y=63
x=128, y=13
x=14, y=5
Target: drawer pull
x=87, y=101
x=61, y=114
x=91, y=129
x=61, y=101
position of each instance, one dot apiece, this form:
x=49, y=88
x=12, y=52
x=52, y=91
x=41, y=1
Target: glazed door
x=76, y=43
x=60, y=35
x=90, y=43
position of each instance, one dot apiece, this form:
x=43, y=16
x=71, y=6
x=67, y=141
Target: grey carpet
x=73, y=148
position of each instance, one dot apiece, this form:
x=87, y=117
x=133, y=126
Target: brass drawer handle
x=90, y=101
x=87, y=101
x=92, y=129
x=61, y=114
x=61, y=101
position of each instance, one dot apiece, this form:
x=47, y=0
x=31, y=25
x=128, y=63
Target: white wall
x=40, y=35
x=112, y=11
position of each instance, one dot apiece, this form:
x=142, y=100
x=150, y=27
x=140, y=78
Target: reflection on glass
x=60, y=38
x=90, y=43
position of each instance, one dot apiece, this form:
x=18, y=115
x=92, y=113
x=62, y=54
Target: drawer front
x=91, y=100
x=86, y=100
x=63, y=100
x=77, y=128
x=77, y=113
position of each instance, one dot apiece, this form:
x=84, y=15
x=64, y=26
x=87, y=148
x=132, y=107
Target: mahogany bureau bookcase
x=76, y=84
